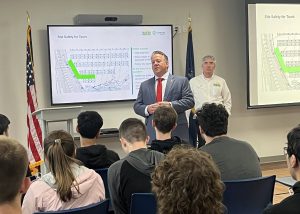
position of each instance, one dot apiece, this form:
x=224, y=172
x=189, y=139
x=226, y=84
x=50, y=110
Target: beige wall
x=218, y=29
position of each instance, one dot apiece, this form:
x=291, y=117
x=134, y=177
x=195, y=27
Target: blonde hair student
x=68, y=184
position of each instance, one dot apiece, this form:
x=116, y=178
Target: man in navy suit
x=164, y=89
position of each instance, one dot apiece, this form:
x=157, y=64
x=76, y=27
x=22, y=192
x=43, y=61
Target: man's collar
x=165, y=76
x=208, y=78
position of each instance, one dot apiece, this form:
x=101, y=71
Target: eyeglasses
x=285, y=150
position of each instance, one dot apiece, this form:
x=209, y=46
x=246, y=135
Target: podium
x=59, y=114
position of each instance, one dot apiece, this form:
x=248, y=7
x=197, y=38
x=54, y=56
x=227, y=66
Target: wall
x=218, y=29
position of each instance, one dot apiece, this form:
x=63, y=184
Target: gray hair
x=209, y=57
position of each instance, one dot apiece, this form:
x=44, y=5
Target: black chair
x=143, y=203
x=249, y=196
x=103, y=174
x=97, y=208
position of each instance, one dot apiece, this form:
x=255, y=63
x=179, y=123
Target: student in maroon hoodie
x=92, y=155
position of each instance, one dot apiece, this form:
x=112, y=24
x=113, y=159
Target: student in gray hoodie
x=132, y=173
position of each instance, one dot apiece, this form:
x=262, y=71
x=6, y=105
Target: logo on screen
x=160, y=33
x=146, y=33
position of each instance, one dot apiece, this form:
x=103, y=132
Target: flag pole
x=34, y=132
x=190, y=73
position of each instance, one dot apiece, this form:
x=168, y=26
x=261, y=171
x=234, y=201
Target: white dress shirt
x=210, y=90
x=164, y=83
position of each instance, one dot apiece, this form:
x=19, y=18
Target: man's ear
x=174, y=127
x=147, y=139
x=123, y=142
x=98, y=134
x=293, y=161
x=77, y=130
x=201, y=130
x=25, y=185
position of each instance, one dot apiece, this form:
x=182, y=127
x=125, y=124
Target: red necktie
x=159, y=90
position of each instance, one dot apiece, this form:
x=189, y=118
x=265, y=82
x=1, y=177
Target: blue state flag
x=190, y=73
x=190, y=65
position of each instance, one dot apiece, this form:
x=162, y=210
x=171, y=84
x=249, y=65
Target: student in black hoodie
x=164, y=122
x=93, y=156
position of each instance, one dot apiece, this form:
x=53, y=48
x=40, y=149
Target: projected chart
x=280, y=66
x=103, y=63
x=93, y=70
x=274, y=54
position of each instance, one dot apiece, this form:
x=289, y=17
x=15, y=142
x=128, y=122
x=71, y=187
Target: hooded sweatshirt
x=131, y=175
x=96, y=156
x=164, y=146
x=42, y=196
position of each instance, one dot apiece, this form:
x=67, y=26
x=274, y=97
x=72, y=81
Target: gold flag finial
x=190, y=22
x=28, y=18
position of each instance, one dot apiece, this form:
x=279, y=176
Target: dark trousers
x=196, y=139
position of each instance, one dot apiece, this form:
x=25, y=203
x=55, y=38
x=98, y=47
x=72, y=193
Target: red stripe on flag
x=31, y=144
x=32, y=109
x=37, y=129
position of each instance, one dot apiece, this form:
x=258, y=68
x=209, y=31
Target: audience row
x=184, y=179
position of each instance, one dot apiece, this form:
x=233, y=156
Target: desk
x=287, y=181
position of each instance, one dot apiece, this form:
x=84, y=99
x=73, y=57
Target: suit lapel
x=169, y=85
x=152, y=90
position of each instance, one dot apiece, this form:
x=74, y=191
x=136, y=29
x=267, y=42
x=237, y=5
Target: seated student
x=188, y=181
x=92, y=155
x=132, y=173
x=13, y=165
x=236, y=159
x=4, y=127
x=4, y=122
x=290, y=205
x=164, y=122
x=68, y=184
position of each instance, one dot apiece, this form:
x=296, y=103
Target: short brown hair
x=165, y=118
x=188, y=181
x=133, y=130
x=13, y=165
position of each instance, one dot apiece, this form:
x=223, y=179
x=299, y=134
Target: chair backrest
x=97, y=208
x=143, y=203
x=103, y=174
x=249, y=195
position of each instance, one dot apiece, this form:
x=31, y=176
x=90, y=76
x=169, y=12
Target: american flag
x=34, y=135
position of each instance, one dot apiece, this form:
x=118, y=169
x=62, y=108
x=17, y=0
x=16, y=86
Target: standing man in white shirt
x=210, y=88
